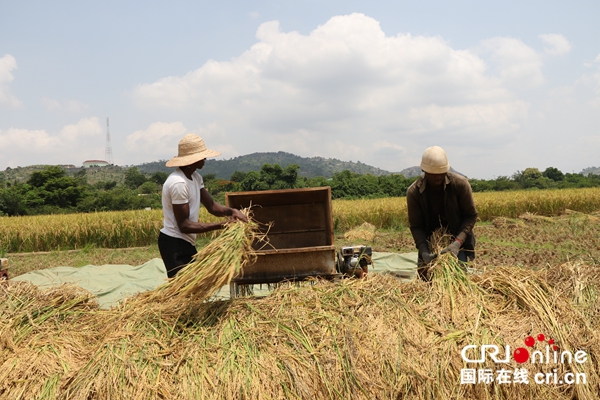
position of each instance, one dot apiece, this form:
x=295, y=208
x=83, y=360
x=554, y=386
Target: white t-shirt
x=178, y=189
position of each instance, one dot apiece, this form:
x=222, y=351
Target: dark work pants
x=175, y=253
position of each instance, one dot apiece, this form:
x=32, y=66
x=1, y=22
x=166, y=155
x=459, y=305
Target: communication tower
x=108, y=152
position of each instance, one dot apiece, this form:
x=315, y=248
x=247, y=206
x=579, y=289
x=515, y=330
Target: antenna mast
x=108, y=151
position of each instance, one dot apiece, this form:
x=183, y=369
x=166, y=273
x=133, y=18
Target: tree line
x=52, y=191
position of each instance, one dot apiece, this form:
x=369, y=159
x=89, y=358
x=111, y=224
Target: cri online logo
x=521, y=354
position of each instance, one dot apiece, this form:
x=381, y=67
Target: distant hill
x=411, y=172
x=591, y=170
x=309, y=166
x=92, y=175
x=223, y=169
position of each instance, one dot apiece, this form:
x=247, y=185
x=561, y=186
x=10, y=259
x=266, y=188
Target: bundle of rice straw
x=211, y=268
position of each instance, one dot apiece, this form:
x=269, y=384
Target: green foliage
x=134, y=178
x=103, y=185
x=12, y=202
x=118, y=199
x=158, y=177
x=271, y=177
x=149, y=187
x=532, y=178
x=554, y=174
x=237, y=176
x=52, y=189
x=349, y=185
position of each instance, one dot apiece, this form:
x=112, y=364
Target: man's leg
x=175, y=253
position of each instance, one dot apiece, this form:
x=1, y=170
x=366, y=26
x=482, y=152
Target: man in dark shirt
x=441, y=199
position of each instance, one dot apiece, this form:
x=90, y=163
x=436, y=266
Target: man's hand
x=237, y=215
x=454, y=248
x=427, y=257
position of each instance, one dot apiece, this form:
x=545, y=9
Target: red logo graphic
x=521, y=354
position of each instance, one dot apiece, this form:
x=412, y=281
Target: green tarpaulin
x=112, y=283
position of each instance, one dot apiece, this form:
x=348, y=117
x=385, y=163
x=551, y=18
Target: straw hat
x=435, y=161
x=191, y=149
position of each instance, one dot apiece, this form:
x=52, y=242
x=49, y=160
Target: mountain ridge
x=223, y=169
x=309, y=166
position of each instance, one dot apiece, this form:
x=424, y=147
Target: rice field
x=139, y=228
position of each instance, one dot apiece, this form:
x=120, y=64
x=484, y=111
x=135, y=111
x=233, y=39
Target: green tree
x=118, y=199
x=253, y=182
x=39, y=178
x=105, y=185
x=532, y=178
x=149, y=187
x=134, y=178
x=553, y=173
x=51, y=187
x=394, y=185
x=159, y=177
x=237, y=176
x=348, y=184
x=12, y=202
x=270, y=177
x=505, y=183
x=481, y=185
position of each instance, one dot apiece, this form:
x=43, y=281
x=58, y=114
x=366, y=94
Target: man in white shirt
x=183, y=194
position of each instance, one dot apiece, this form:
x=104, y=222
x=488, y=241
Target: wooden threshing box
x=301, y=234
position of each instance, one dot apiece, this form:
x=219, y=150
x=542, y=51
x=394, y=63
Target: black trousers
x=175, y=253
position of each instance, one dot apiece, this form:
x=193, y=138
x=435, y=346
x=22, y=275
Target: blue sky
x=501, y=86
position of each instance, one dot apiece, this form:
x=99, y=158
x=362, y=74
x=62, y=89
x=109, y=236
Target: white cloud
x=344, y=86
x=71, y=106
x=254, y=14
x=33, y=141
x=518, y=64
x=589, y=64
x=74, y=143
x=159, y=140
x=555, y=44
x=7, y=98
x=84, y=129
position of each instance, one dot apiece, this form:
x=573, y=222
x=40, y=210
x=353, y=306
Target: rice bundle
x=211, y=268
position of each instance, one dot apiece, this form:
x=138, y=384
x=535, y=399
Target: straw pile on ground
x=360, y=339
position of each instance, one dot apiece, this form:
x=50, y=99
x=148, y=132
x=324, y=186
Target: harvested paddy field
x=464, y=336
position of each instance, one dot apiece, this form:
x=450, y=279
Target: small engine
x=354, y=261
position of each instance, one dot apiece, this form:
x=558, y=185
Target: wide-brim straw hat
x=191, y=150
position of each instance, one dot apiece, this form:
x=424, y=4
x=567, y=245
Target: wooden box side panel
x=299, y=217
x=273, y=267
